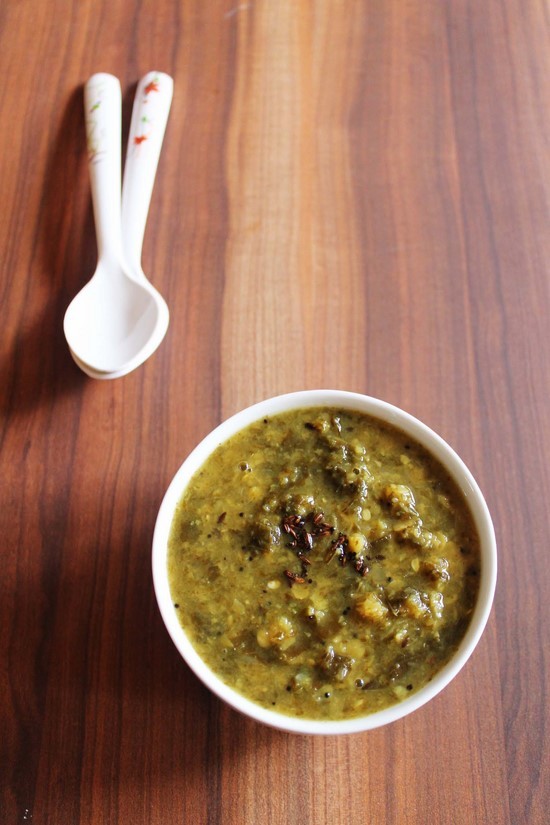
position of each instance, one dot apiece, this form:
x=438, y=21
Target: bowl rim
x=427, y=437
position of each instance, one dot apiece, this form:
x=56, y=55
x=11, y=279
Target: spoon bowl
x=115, y=323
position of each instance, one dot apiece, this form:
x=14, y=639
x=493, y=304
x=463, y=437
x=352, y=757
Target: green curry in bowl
x=323, y=563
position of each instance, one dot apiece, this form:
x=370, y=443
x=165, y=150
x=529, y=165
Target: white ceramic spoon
x=118, y=319
x=149, y=116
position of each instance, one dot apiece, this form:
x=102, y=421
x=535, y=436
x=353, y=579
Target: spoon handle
x=149, y=117
x=102, y=106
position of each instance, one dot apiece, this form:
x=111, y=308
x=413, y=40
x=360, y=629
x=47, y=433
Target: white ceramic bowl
x=421, y=433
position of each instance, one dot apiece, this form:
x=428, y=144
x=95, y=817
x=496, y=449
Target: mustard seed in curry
x=324, y=565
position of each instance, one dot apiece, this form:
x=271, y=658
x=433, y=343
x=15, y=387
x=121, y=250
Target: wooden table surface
x=351, y=195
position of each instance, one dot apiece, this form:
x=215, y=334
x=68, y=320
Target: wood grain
x=352, y=194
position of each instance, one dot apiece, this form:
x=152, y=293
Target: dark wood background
x=351, y=195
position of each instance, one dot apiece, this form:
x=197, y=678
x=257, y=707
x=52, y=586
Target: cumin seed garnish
x=303, y=531
x=337, y=546
x=294, y=577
